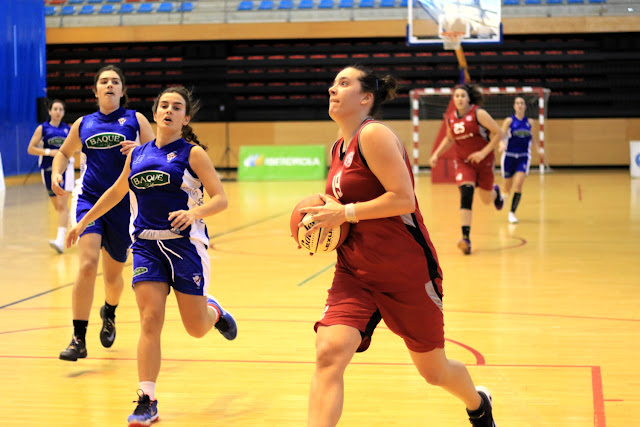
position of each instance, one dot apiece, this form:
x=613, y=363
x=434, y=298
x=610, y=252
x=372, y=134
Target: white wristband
x=47, y=151
x=350, y=213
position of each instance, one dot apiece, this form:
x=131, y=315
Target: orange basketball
x=336, y=237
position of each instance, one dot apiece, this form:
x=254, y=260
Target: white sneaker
x=58, y=247
x=512, y=218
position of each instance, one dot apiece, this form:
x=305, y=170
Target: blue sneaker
x=145, y=413
x=465, y=246
x=499, y=200
x=226, y=324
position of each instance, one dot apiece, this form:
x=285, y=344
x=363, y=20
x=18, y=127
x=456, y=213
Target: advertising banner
x=282, y=162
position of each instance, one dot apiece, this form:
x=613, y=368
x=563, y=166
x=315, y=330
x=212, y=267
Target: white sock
x=62, y=232
x=148, y=388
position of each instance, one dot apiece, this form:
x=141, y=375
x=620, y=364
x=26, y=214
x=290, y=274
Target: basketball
x=336, y=237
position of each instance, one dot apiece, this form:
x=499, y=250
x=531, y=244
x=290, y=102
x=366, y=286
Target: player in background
x=516, y=153
x=45, y=142
x=105, y=137
x=387, y=268
x=475, y=135
x=166, y=178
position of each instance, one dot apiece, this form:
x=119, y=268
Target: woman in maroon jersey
x=475, y=135
x=387, y=268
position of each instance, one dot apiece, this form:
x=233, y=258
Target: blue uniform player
x=105, y=138
x=166, y=179
x=45, y=142
x=516, y=153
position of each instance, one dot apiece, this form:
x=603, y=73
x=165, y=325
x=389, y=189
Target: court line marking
x=233, y=230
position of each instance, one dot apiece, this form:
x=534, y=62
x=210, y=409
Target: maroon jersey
x=388, y=254
x=470, y=136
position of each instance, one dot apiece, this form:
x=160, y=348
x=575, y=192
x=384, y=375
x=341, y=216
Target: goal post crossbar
x=540, y=92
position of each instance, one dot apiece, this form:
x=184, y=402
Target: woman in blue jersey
x=166, y=178
x=516, y=156
x=105, y=138
x=45, y=142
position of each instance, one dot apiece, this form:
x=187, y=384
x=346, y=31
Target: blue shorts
x=112, y=226
x=512, y=164
x=67, y=179
x=182, y=263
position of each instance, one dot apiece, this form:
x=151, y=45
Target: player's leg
x=113, y=286
x=82, y=294
x=467, y=190
x=60, y=203
x=151, y=298
x=454, y=377
x=521, y=171
x=346, y=327
x=335, y=347
x=191, y=277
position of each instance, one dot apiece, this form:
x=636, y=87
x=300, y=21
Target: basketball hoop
x=452, y=39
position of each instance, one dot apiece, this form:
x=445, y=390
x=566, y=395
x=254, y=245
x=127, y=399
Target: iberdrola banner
x=282, y=162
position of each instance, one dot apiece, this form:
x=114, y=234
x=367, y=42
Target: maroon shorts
x=479, y=173
x=414, y=314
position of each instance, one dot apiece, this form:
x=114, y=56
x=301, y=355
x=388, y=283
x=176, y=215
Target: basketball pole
x=462, y=66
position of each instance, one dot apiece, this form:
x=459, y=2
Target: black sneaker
x=108, y=331
x=77, y=349
x=499, y=200
x=484, y=416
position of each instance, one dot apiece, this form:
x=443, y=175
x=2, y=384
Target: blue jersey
x=52, y=138
x=520, y=140
x=102, y=161
x=161, y=181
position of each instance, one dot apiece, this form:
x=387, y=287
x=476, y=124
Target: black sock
x=109, y=310
x=80, y=329
x=515, y=201
x=466, y=230
x=478, y=413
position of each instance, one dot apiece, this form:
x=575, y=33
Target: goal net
x=429, y=105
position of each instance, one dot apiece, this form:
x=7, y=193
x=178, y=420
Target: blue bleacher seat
x=106, y=9
x=185, y=7
x=325, y=4
x=285, y=4
x=165, y=7
x=145, y=8
x=75, y=1
x=345, y=3
x=126, y=8
x=305, y=4
x=49, y=10
x=533, y=2
x=597, y=1
x=366, y=3
x=511, y=2
x=554, y=1
x=266, y=5
x=114, y=1
x=387, y=3
x=245, y=5
x=68, y=10
x=86, y=9
x=94, y=1
x=575, y=1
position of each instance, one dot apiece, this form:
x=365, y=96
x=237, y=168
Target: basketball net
x=452, y=39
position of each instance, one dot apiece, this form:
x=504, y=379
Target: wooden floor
x=545, y=313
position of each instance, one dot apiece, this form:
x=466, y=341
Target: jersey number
x=458, y=128
x=335, y=186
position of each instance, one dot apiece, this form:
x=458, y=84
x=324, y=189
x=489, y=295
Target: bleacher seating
x=73, y=2
x=86, y=9
x=305, y=4
x=187, y=6
x=345, y=4
x=366, y=3
x=266, y=5
x=68, y=10
x=106, y=9
x=165, y=7
x=94, y=1
x=285, y=5
x=49, y=10
x=245, y=5
x=325, y=4
x=145, y=8
x=387, y=3
x=126, y=8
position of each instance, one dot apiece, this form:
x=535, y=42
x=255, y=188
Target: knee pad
x=466, y=196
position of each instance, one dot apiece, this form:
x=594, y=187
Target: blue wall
x=22, y=80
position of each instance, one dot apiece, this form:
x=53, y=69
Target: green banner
x=282, y=162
